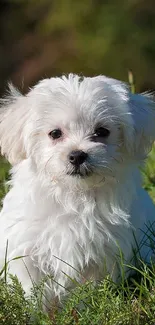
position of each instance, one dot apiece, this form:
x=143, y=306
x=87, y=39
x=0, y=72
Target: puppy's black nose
x=77, y=157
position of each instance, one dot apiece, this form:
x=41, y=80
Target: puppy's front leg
x=27, y=274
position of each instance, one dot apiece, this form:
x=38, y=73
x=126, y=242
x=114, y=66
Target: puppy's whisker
x=118, y=160
x=47, y=162
x=106, y=170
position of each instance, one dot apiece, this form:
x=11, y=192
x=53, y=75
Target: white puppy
x=76, y=197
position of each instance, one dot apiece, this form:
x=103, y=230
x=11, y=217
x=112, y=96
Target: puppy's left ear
x=142, y=108
x=13, y=117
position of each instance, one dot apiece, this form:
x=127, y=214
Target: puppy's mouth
x=80, y=172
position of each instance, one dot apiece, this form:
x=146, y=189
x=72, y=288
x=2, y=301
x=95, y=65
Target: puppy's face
x=77, y=130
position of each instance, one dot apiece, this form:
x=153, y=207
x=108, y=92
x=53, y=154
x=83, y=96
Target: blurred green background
x=42, y=38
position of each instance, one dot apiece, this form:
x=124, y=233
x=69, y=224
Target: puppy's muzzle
x=78, y=164
x=77, y=158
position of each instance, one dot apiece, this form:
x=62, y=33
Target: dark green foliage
x=105, y=304
x=111, y=304
x=13, y=306
x=50, y=37
x=4, y=175
x=15, y=309
x=149, y=174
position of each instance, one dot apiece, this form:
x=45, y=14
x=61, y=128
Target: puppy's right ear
x=13, y=116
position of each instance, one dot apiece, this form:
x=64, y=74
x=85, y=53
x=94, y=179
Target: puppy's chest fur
x=68, y=232
x=74, y=235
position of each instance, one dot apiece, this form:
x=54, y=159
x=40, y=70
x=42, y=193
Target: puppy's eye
x=102, y=132
x=55, y=134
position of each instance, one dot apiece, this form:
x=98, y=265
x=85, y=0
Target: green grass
x=149, y=175
x=131, y=302
x=4, y=174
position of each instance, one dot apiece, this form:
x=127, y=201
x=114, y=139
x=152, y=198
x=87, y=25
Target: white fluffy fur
x=66, y=224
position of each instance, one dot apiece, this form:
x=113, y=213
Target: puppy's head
x=79, y=129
